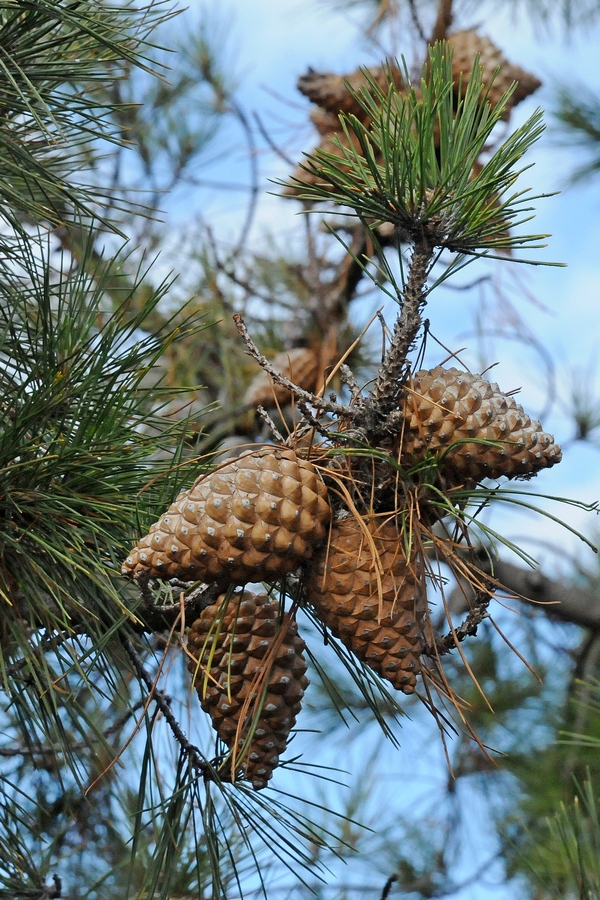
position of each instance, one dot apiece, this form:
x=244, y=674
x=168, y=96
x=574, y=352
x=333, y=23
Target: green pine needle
x=415, y=163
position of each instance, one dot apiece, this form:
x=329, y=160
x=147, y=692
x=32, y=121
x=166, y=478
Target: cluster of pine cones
x=270, y=512
x=332, y=94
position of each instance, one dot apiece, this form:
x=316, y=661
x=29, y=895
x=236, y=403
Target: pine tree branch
x=477, y=613
x=278, y=378
x=156, y=616
x=567, y=602
x=388, y=886
x=443, y=21
x=388, y=385
x=414, y=15
x=164, y=704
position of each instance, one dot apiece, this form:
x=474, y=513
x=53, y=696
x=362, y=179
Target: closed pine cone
x=253, y=519
x=466, y=44
x=242, y=653
x=379, y=621
x=446, y=406
x=325, y=122
x=300, y=365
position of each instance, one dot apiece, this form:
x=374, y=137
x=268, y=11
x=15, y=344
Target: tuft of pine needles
x=413, y=163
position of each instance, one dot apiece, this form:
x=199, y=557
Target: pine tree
x=137, y=764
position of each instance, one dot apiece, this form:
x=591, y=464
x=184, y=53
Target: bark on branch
x=566, y=602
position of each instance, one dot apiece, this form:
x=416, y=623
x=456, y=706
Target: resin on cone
x=379, y=619
x=299, y=365
x=249, y=670
x=482, y=432
x=466, y=45
x=253, y=519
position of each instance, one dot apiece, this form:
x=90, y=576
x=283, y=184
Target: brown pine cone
x=330, y=92
x=466, y=44
x=326, y=123
x=248, y=661
x=331, y=95
x=253, y=519
x=305, y=177
x=380, y=620
x=449, y=411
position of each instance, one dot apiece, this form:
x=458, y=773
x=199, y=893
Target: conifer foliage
x=132, y=537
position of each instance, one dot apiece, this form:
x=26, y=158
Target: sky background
x=270, y=45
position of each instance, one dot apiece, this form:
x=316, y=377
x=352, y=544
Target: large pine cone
x=449, y=410
x=253, y=519
x=301, y=176
x=248, y=661
x=466, y=44
x=379, y=620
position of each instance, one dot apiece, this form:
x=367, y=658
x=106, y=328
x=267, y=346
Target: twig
x=442, y=22
x=468, y=628
x=311, y=421
x=416, y=21
x=384, y=334
x=274, y=147
x=253, y=154
x=347, y=377
x=55, y=892
x=163, y=703
x=47, y=645
x=278, y=378
x=270, y=424
x=158, y=616
x=42, y=752
x=388, y=886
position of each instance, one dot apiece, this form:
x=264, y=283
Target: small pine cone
x=466, y=44
x=244, y=652
x=445, y=406
x=380, y=621
x=330, y=92
x=253, y=519
x=300, y=365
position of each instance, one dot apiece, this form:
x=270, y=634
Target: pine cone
x=306, y=177
x=300, y=365
x=245, y=652
x=466, y=44
x=330, y=92
x=325, y=122
x=380, y=621
x=446, y=406
x=253, y=519
x=331, y=95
